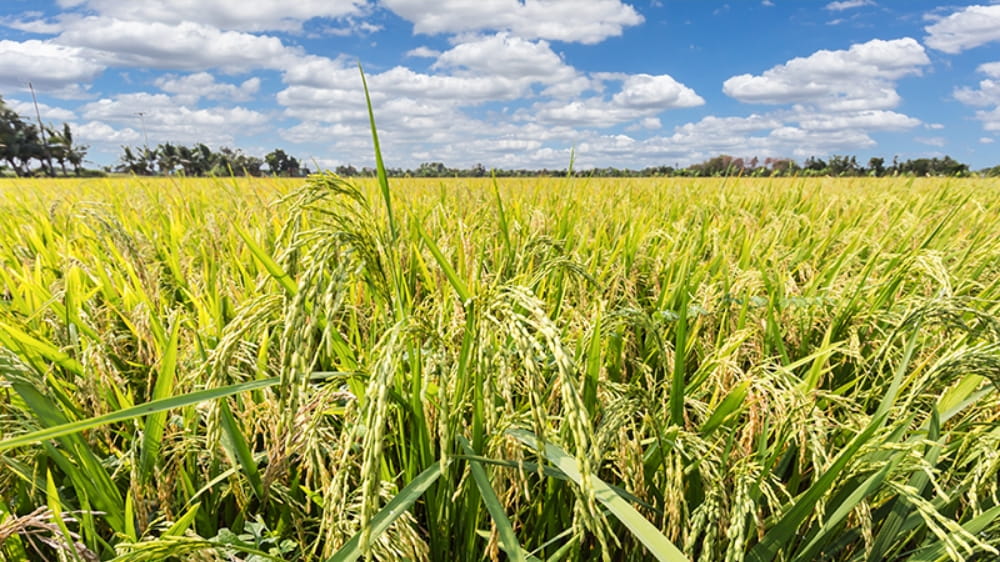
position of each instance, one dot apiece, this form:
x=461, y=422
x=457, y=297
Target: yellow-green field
x=554, y=369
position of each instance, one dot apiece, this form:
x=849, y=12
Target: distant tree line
x=718, y=166
x=33, y=149
x=200, y=160
x=28, y=148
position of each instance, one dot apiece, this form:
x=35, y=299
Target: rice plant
x=560, y=369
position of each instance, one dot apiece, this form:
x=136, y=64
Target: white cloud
x=259, y=15
x=848, y=5
x=581, y=113
x=990, y=119
x=986, y=95
x=26, y=109
x=311, y=131
x=47, y=66
x=967, y=28
x=517, y=61
x=465, y=90
x=986, y=140
x=859, y=78
x=184, y=46
x=651, y=123
x=192, y=87
x=991, y=69
x=352, y=27
x=755, y=135
x=32, y=22
x=423, y=52
x=871, y=120
x=720, y=134
x=96, y=132
x=504, y=55
x=641, y=96
x=642, y=91
x=321, y=72
x=931, y=141
x=166, y=119
x=564, y=20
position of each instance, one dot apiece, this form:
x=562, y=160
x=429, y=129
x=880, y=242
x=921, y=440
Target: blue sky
x=511, y=83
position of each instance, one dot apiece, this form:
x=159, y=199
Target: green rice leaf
x=393, y=510
x=508, y=541
x=135, y=412
x=654, y=541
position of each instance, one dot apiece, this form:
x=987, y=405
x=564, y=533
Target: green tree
x=63, y=149
x=168, y=158
x=16, y=138
x=843, y=166
x=281, y=164
x=876, y=166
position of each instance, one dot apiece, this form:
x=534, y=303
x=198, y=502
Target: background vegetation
x=29, y=149
x=34, y=149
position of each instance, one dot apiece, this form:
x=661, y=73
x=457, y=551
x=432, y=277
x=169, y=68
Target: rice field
x=547, y=369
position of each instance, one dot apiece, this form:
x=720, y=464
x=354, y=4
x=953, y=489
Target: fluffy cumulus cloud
x=505, y=55
x=98, y=134
x=519, y=62
x=477, y=70
x=987, y=94
x=182, y=46
x=861, y=77
x=192, y=87
x=166, y=119
x=760, y=135
x=835, y=98
x=259, y=15
x=848, y=5
x=967, y=28
x=641, y=97
x=643, y=91
x=48, y=66
x=564, y=20
x=48, y=113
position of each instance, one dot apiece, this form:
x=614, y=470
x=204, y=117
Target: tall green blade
x=508, y=541
x=383, y=179
x=396, y=507
x=654, y=541
x=135, y=412
x=152, y=434
x=238, y=450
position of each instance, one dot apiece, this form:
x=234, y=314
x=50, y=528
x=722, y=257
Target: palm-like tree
x=169, y=158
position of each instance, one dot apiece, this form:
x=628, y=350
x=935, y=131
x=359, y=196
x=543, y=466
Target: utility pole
x=41, y=131
x=142, y=119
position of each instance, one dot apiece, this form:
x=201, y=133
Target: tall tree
x=281, y=164
x=63, y=149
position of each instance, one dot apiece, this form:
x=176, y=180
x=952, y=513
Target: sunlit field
x=545, y=369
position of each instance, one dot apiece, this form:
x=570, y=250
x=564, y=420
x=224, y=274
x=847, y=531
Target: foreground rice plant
x=559, y=369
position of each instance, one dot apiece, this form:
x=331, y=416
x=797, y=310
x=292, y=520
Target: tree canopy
x=29, y=150
x=200, y=160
